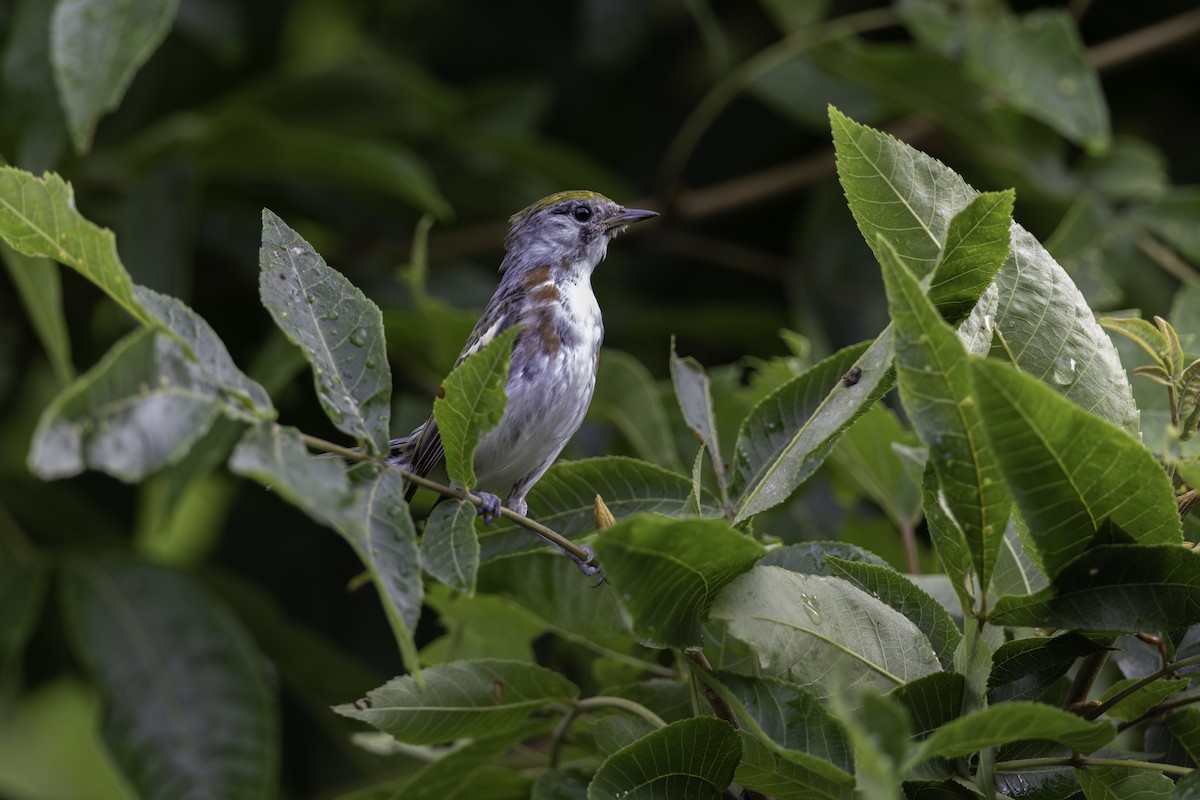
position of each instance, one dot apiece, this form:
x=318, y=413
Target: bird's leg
x=489, y=508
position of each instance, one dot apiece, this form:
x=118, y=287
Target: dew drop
x=297, y=250
x=369, y=363
x=332, y=314
x=359, y=337
x=809, y=604
x=1064, y=371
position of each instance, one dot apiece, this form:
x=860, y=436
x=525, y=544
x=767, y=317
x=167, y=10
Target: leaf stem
x=741, y=77
x=351, y=453
x=601, y=701
x=701, y=669
x=1160, y=709
x=1021, y=764
x=1093, y=712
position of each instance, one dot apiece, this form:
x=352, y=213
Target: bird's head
x=568, y=230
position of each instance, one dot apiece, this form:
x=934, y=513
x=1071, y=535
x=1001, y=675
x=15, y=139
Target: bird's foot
x=489, y=508
x=588, y=566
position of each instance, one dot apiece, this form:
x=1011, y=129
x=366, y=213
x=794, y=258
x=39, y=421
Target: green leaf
x=139, y=409
x=183, y=716
x=1024, y=668
x=822, y=632
x=460, y=700
x=482, y=626
x=38, y=218
x=1013, y=722
x=471, y=403
x=908, y=198
x=933, y=372
x=339, y=329
x=1038, y=65
x=96, y=47
x=1114, y=587
x=879, y=727
x=627, y=396
x=668, y=571
x=22, y=593
x=383, y=536
x=1070, y=471
x=948, y=540
x=1148, y=336
x=931, y=701
x=787, y=715
x=790, y=432
x=888, y=585
x=865, y=458
x=1184, y=726
x=449, y=546
x=812, y=558
x=39, y=283
x=694, y=393
x=276, y=457
x=1123, y=783
x=565, y=500
x=560, y=784
x=693, y=758
x=1016, y=571
x=975, y=249
x=1143, y=699
x=788, y=775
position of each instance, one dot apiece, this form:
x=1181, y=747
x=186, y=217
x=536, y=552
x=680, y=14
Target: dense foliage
x=951, y=560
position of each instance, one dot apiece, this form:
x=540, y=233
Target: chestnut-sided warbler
x=546, y=287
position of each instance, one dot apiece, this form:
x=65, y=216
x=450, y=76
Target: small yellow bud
x=603, y=517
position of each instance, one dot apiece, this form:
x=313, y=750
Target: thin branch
x=1166, y=258
x=720, y=706
x=1095, y=711
x=908, y=535
x=1085, y=678
x=1145, y=41
x=1024, y=764
x=1161, y=709
x=601, y=701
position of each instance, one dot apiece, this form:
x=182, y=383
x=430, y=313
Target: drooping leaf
x=788, y=775
x=565, y=500
x=1114, y=587
x=96, y=47
x=694, y=393
x=338, y=328
x=449, y=546
x=627, y=397
x=183, y=716
x=1068, y=470
x=888, y=585
x=1037, y=63
x=1013, y=722
x=693, y=758
x=276, y=457
x=39, y=284
x=667, y=572
x=933, y=372
x=460, y=699
x=790, y=432
x=471, y=403
x=908, y=198
x=38, y=218
x=136, y=411
x=822, y=632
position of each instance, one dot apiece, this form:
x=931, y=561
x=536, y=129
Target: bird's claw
x=489, y=507
x=588, y=566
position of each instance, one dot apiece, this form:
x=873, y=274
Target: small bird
x=552, y=248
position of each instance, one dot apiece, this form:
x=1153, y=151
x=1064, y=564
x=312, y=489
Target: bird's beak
x=627, y=216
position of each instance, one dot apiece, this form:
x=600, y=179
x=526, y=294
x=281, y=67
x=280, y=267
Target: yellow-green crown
x=553, y=200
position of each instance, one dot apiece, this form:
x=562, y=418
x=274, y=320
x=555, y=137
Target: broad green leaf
x=1143, y=699
x=276, y=457
x=339, y=329
x=694, y=393
x=383, y=536
x=1144, y=333
x=811, y=558
x=1016, y=573
x=1114, y=587
x=787, y=715
x=933, y=373
x=471, y=403
x=139, y=409
x=184, y=716
x=693, y=758
x=96, y=47
x=879, y=728
x=908, y=198
x=627, y=396
x=667, y=572
x=865, y=458
x=788, y=775
x=1013, y=722
x=888, y=585
x=244, y=142
x=790, y=432
x=613, y=733
x=482, y=626
x=1068, y=470
x=1038, y=65
x=931, y=701
x=1184, y=725
x=1024, y=668
x=949, y=542
x=560, y=784
x=39, y=283
x=565, y=500
x=1123, y=783
x=449, y=546
x=461, y=699
x=822, y=632
x=975, y=249
x=38, y=218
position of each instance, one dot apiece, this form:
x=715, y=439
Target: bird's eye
x=582, y=213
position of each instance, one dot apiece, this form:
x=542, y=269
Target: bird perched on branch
x=552, y=248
